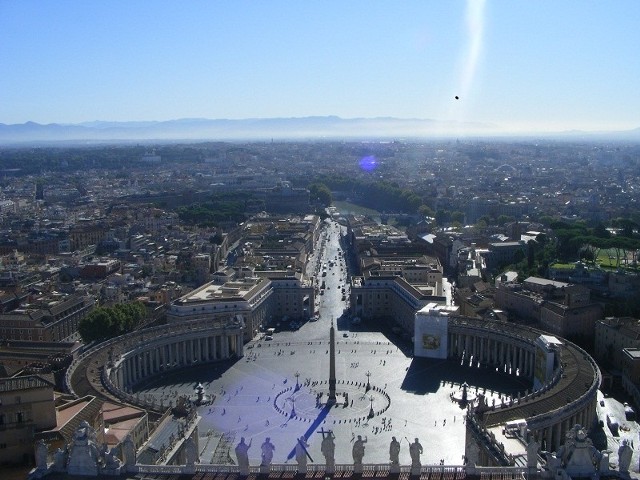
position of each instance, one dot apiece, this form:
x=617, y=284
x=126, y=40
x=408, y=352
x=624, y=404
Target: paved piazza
x=255, y=397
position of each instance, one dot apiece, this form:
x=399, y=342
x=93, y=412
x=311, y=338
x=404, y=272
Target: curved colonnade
x=121, y=363
x=569, y=397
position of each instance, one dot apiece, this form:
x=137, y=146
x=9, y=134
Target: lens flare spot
x=368, y=163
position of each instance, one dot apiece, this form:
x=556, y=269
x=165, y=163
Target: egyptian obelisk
x=332, y=365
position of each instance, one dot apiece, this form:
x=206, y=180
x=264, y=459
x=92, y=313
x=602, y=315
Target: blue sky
x=542, y=65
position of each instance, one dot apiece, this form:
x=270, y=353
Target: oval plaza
x=562, y=378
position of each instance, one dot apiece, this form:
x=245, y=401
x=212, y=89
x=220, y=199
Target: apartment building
x=559, y=308
x=26, y=406
x=50, y=317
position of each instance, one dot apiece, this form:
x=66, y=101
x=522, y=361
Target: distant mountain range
x=328, y=127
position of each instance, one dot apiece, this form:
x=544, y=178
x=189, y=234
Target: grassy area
x=347, y=207
x=607, y=259
x=563, y=266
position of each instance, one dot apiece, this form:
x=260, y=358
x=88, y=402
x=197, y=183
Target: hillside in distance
x=325, y=127
x=297, y=128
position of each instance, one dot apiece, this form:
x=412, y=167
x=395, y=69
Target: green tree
x=443, y=217
x=322, y=192
x=96, y=325
x=103, y=323
x=458, y=217
x=504, y=219
x=426, y=211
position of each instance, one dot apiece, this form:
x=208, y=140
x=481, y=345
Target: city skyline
x=514, y=66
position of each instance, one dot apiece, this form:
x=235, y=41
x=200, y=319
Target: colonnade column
x=557, y=440
x=239, y=344
x=127, y=371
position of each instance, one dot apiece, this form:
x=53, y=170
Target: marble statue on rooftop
x=190, y=451
x=576, y=458
x=624, y=456
x=242, y=455
x=112, y=464
x=302, y=454
x=358, y=450
x=328, y=448
x=267, y=452
x=415, y=450
x=41, y=455
x=60, y=460
x=394, y=451
x=84, y=456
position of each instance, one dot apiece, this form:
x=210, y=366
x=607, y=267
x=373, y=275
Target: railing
x=511, y=332
x=452, y=471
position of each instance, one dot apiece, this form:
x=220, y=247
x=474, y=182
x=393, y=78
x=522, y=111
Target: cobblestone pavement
x=260, y=396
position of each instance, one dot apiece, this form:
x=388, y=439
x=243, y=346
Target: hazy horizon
x=524, y=66
x=282, y=129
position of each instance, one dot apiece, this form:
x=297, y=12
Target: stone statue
x=328, y=448
x=190, y=451
x=41, y=455
x=358, y=450
x=242, y=455
x=111, y=462
x=624, y=456
x=532, y=453
x=577, y=457
x=604, y=461
x=301, y=453
x=60, y=460
x=84, y=456
x=129, y=452
x=415, y=450
x=554, y=463
x=267, y=452
x=394, y=451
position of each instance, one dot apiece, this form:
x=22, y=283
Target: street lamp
x=297, y=374
x=371, y=414
x=368, y=374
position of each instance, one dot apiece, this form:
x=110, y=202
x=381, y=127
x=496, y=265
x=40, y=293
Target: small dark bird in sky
x=457, y=97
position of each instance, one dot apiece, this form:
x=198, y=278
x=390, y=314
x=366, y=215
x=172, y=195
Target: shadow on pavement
x=425, y=375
